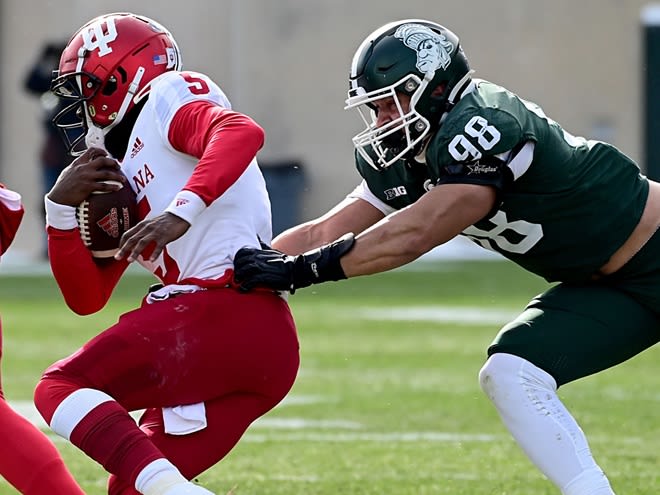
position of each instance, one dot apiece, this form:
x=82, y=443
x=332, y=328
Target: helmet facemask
x=73, y=120
x=382, y=146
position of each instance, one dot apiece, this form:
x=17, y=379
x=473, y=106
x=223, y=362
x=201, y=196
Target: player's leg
x=228, y=418
x=184, y=350
x=28, y=459
x=565, y=334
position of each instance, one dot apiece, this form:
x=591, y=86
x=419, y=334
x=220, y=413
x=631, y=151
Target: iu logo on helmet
x=95, y=36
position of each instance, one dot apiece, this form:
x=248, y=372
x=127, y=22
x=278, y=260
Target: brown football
x=103, y=218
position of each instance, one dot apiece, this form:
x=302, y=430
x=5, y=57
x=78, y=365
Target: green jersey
x=565, y=204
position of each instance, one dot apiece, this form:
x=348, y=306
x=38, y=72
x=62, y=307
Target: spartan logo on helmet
x=433, y=49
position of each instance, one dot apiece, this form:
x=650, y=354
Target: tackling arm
x=350, y=215
x=396, y=240
x=437, y=217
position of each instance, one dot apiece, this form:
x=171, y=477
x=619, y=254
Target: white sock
x=157, y=477
x=526, y=398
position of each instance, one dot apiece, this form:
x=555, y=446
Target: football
x=104, y=217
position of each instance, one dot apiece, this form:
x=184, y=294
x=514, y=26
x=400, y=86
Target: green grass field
x=387, y=399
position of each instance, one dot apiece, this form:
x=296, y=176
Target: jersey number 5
x=478, y=134
x=196, y=85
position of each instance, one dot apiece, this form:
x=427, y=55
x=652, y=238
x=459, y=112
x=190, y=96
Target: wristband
x=62, y=217
x=186, y=205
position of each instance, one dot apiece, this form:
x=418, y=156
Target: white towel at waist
x=170, y=291
x=180, y=420
x=183, y=420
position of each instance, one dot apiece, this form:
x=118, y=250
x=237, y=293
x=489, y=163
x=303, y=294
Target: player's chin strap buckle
x=94, y=137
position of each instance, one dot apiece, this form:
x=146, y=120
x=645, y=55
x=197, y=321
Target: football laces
x=82, y=217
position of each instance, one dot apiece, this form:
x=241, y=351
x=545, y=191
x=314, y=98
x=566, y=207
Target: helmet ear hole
x=439, y=89
x=109, y=87
x=123, y=74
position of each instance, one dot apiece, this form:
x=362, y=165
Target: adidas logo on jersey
x=137, y=146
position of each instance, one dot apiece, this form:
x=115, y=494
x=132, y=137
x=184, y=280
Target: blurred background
x=588, y=63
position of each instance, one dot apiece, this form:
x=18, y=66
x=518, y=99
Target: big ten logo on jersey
x=99, y=35
x=395, y=192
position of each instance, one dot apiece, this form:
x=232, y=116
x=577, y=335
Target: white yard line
x=444, y=314
x=330, y=431
x=26, y=408
x=375, y=437
x=297, y=429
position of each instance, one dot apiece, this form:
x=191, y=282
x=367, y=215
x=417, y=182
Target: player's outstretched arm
x=398, y=239
x=350, y=215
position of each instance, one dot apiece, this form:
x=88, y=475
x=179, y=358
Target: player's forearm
x=391, y=243
x=298, y=239
x=405, y=235
x=350, y=215
x=85, y=286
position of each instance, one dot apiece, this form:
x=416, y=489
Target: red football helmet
x=105, y=69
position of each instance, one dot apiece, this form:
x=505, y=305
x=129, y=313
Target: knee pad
x=505, y=372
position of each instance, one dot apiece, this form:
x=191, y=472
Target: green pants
x=575, y=330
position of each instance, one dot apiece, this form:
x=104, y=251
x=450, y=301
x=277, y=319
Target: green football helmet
x=418, y=58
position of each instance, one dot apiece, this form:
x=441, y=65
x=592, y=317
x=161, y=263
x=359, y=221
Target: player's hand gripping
x=155, y=232
x=275, y=270
x=86, y=175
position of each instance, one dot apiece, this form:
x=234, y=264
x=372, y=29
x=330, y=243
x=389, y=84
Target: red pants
x=236, y=352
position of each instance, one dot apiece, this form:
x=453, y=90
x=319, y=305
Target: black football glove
x=278, y=271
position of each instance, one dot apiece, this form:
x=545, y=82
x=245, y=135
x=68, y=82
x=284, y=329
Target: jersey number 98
x=478, y=134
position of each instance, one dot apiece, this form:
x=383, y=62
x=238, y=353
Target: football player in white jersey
x=202, y=359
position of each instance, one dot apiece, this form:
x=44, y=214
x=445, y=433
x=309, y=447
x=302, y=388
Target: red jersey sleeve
x=85, y=284
x=224, y=141
x=11, y=214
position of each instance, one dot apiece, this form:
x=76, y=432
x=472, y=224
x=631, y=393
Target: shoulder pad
x=174, y=89
x=490, y=130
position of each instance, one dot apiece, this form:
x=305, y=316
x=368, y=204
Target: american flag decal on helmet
x=160, y=59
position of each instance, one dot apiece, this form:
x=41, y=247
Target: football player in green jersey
x=445, y=154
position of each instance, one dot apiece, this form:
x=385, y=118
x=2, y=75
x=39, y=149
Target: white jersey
x=157, y=172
